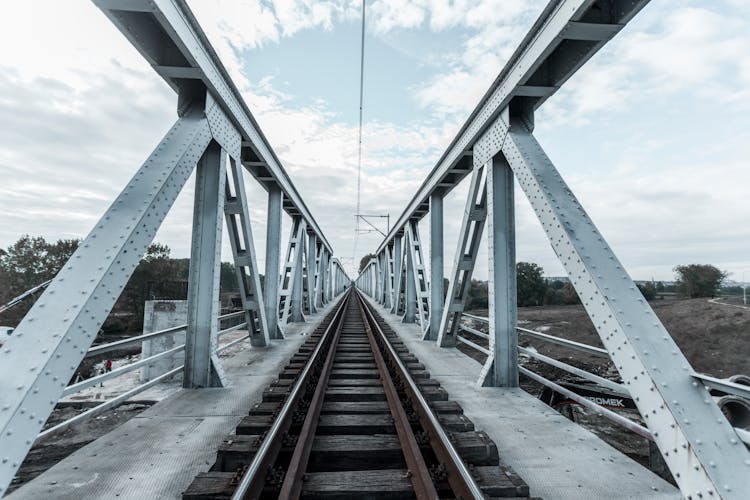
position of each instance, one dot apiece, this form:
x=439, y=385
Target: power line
x=359, y=143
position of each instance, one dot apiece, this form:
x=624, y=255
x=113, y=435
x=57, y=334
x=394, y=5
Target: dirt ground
x=714, y=336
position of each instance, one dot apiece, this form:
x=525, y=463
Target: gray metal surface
x=389, y=278
x=202, y=367
x=273, y=250
x=410, y=287
x=311, y=266
x=398, y=273
x=469, y=238
x=168, y=36
x=557, y=458
x=436, y=265
x=418, y=274
x=566, y=35
x=240, y=233
x=158, y=453
x=289, y=272
x=692, y=434
x=76, y=303
x=501, y=367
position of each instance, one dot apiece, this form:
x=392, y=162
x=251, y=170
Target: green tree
x=698, y=280
x=29, y=262
x=228, y=278
x=648, y=290
x=531, y=286
x=365, y=260
x=478, y=297
x=155, y=269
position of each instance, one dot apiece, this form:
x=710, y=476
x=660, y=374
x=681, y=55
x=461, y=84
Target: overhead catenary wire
x=359, y=137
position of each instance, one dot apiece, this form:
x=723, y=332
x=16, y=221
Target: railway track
x=355, y=415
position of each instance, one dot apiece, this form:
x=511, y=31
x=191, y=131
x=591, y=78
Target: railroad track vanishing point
x=355, y=415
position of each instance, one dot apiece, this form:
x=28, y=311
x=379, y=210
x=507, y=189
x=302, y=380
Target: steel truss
x=290, y=295
x=704, y=453
x=420, y=294
x=213, y=126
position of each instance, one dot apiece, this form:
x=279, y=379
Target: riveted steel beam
x=564, y=37
x=169, y=37
x=49, y=343
x=700, y=447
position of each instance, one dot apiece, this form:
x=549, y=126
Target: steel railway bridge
x=391, y=324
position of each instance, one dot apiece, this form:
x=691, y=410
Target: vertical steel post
x=296, y=315
x=397, y=274
x=410, y=300
x=202, y=367
x=501, y=368
x=436, y=265
x=273, y=251
x=388, y=295
x=319, y=276
x=326, y=277
x=310, y=268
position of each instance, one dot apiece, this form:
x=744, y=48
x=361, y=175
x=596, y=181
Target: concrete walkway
x=157, y=454
x=557, y=458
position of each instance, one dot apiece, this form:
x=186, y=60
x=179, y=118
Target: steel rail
x=232, y=329
x=251, y=484
x=619, y=388
x=479, y=318
x=292, y=485
x=459, y=476
x=20, y=298
x=604, y=412
x=420, y=478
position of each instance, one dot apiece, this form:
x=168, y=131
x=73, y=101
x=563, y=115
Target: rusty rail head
x=291, y=488
x=459, y=477
x=251, y=484
x=424, y=488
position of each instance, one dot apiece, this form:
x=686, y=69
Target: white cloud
x=97, y=110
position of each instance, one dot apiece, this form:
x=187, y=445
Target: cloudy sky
x=653, y=134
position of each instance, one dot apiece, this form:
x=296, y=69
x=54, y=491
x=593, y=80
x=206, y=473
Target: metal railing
x=726, y=386
x=145, y=362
